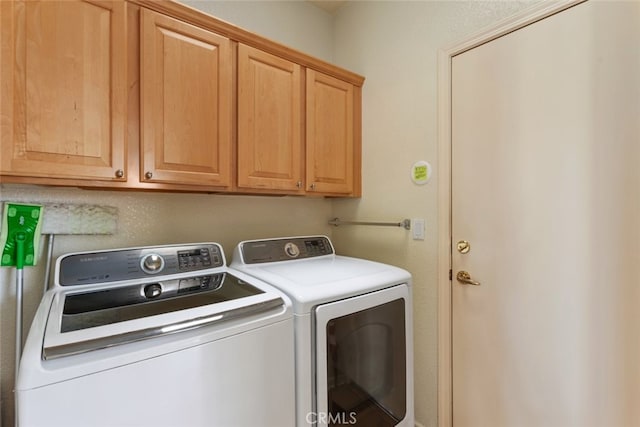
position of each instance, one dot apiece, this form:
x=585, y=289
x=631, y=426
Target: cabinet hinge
x=450, y=274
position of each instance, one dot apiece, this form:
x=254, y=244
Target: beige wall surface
x=294, y=23
x=395, y=44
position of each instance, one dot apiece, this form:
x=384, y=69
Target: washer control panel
x=197, y=258
x=259, y=251
x=135, y=263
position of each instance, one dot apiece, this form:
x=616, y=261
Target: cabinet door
x=330, y=134
x=269, y=121
x=186, y=103
x=63, y=87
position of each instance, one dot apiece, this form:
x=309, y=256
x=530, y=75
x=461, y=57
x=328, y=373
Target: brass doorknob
x=465, y=278
x=463, y=246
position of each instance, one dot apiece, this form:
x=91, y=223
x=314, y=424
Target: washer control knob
x=153, y=290
x=292, y=250
x=152, y=263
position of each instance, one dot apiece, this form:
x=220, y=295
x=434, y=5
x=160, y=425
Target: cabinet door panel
x=330, y=134
x=269, y=121
x=63, y=89
x=186, y=103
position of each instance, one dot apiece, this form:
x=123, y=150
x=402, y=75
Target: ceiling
x=330, y=6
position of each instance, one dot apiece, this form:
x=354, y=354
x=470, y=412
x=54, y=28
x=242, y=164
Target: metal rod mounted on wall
x=405, y=223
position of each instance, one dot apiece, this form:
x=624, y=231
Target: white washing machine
x=157, y=336
x=353, y=330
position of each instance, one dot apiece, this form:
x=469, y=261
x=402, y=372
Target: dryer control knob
x=152, y=290
x=292, y=249
x=152, y=263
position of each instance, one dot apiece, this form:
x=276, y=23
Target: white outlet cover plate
x=417, y=228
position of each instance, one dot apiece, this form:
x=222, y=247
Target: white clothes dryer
x=157, y=336
x=353, y=330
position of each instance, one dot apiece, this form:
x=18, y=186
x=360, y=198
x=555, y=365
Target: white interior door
x=546, y=190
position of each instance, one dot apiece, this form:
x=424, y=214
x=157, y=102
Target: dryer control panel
x=135, y=263
x=259, y=251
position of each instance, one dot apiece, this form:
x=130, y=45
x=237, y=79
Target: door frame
x=445, y=309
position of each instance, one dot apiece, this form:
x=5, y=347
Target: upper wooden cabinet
x=186, y=103
x=332, y=143
x=270, y=119
x=273, y=151
x=63, y=89
x=152, y=94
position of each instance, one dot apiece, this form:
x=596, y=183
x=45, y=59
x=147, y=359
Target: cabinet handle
x=299, y=184
x=313, y=186
x=119, y=173
x=148, y=175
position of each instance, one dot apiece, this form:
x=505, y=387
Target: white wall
x=394, y=44
x=149, y=218
x=294, y=23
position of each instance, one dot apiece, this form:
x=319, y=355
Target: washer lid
x=100, y=307
x=81, y=321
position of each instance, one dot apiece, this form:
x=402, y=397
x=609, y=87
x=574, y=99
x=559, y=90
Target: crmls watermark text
x=340, y=418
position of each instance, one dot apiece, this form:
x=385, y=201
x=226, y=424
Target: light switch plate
x=417, y=228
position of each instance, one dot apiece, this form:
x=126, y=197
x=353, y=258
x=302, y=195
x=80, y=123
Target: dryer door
x=363, y=360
